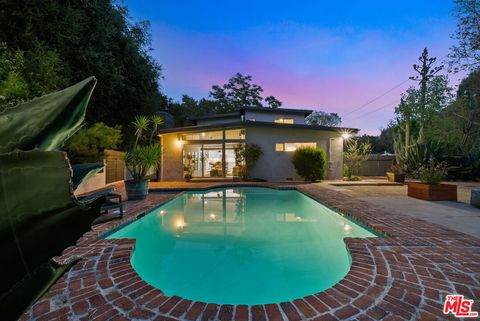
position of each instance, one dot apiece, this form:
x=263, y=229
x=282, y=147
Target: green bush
x=87, y=145
x=310, y=163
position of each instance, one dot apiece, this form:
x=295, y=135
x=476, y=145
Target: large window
x=212, y=153
x=291, y=147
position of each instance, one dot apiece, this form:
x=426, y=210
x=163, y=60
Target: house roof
x=242, y=124
x=304, y=112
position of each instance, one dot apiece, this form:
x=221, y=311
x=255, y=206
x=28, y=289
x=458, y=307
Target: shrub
x=310, y=163
x=353, y=157
x=431, y=173
x=247, y=155
x=87, y=145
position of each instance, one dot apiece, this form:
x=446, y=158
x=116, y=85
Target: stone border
x=404, y=276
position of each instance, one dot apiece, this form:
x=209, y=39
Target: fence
x=376, y=165
x=114, y=166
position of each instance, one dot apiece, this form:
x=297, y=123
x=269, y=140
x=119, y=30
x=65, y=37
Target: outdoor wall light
x=179, y=142
x=346, y=135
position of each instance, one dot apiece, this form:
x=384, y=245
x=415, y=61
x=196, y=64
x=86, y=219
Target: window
x=284, y=121
x=235, y=134
x=217, y=135
x=291, y=147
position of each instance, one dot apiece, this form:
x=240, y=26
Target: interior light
x=203, y=134
x=212, y=216
x=347, y=227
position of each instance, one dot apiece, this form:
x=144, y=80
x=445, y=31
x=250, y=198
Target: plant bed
x=432, y=192
x=395, y=177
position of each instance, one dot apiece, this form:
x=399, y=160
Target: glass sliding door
x=212, y=160
x=203, y=160
x=212, y=154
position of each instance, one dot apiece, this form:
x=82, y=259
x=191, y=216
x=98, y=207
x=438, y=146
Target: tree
x=381, y=143
x=189, y=107
x=426, y=71
x=355, y=154
x=321, y=118
x=273, y=102
x=25, y=75
x=465, y=55
x=310, y=163
x=239, y=92
x=91, y=38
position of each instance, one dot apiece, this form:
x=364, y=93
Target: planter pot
x=395, y=177
x=433, y=192
x=136, y=190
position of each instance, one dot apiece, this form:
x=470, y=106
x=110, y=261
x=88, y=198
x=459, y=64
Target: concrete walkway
x=458, y=216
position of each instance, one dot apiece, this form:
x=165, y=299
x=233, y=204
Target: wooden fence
x=114, y=166
x=376, y=165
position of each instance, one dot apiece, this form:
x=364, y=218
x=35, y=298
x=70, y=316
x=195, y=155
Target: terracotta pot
x=396, y=177
x=433, y=192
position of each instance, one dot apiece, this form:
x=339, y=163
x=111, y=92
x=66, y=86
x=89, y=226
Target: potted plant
x=188, y=168
x=143, y=157
x=396, y=174
x=430, y=188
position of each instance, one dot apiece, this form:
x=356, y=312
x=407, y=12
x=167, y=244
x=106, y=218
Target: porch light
x=179, y=142
x=346, y=135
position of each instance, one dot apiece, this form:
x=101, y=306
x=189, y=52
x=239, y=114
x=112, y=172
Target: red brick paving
x=403, y=276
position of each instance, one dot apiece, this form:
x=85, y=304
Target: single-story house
x=207, y=149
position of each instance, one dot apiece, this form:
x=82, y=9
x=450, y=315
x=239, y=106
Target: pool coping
x=403, y=276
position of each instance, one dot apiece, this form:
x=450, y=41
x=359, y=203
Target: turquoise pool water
x=245, y=245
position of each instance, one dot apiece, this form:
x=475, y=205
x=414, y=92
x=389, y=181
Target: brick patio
x=403, y=276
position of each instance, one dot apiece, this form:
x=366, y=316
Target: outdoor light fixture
x=179, y=142
x=346, y=135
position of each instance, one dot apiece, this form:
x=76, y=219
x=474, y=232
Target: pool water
x=246, y=245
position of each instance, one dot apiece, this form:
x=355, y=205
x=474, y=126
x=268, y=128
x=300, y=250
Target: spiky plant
x=141, y=159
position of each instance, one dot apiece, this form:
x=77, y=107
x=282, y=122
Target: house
x=208, y=147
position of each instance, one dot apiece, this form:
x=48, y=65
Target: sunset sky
x=325, y=55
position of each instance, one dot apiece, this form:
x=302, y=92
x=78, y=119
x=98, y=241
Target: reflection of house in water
x=234, y=213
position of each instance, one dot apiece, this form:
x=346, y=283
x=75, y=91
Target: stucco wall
x=275, y=165
x=172, y=162
x=271, y=117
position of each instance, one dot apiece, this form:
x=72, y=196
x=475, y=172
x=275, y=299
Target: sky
x=335, y=56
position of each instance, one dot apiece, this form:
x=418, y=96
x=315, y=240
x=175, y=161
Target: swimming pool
x=244, y=245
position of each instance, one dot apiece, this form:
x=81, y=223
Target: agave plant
x=142, y=159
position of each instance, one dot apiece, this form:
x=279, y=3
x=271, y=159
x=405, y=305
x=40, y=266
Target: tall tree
x=425, y=72
x=465, y=55
x=321, y=118
x=92, y=38
x=240, y=92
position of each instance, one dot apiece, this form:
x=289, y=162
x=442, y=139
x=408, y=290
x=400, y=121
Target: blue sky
x=324, y=55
